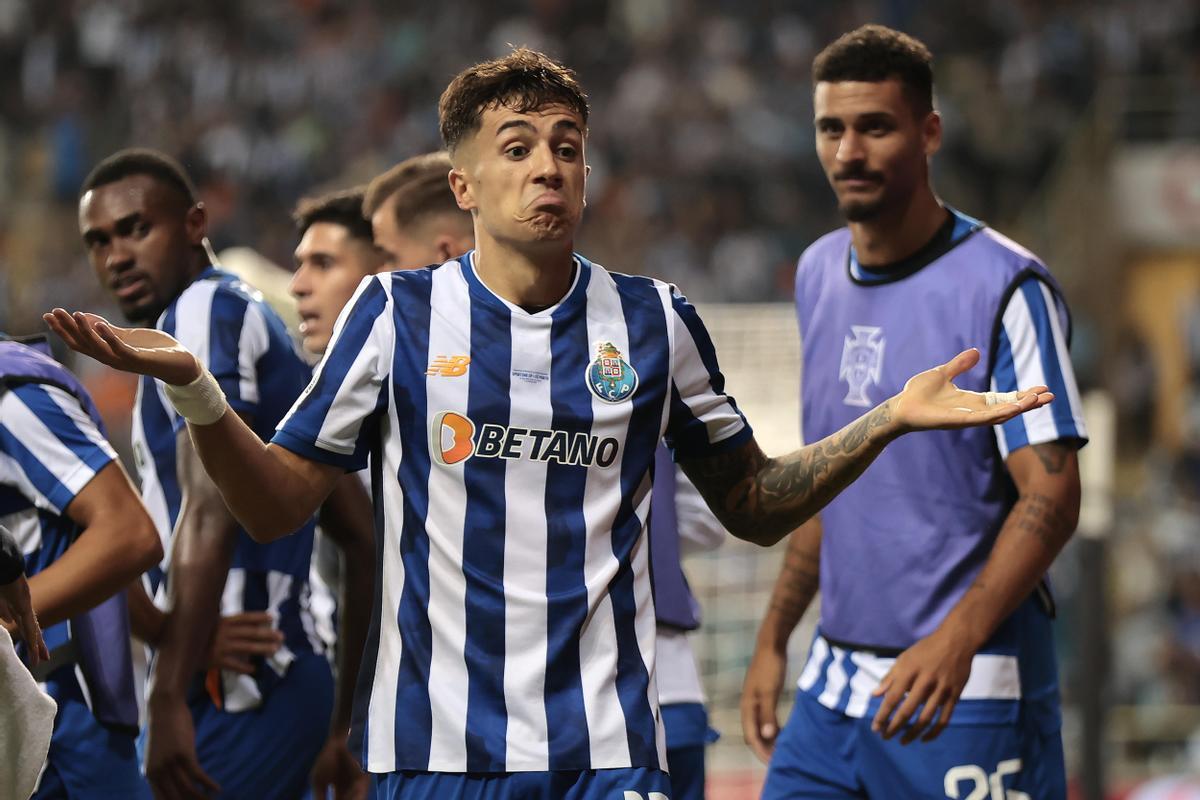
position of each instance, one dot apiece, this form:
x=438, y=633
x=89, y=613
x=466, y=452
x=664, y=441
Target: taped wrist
x=200, y=402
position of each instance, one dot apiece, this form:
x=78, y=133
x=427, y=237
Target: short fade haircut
x=875, y=53
x=141, y=161
x=339, y=208
x=524, y=80
x=421, y=189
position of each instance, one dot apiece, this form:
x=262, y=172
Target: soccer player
x=932, y=566
x=250, y=734
x=513, y=642
x=415, y=218
x=85, y=537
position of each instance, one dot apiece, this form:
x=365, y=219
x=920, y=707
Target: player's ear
x=461, y=187
x=195, y=224
x=931, y=133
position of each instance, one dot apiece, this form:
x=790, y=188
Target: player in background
x=932, y=566
x=256, y=734
x=513, y=644
x=85, y=536
x=334, y=255
x=414, y=217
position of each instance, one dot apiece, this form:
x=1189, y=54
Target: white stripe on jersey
x=193, y=318
x=254, y=341
x=446, y=524
x=153, y=497
x=239, y=692
x=525, y=627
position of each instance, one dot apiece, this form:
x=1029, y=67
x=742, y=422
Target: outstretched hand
x=931, y=400
x=141, y=350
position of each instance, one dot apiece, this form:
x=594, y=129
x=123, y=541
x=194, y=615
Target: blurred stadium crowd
x=701, y=148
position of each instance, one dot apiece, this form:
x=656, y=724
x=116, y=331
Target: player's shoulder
x=832, y=248
x=1002, y=249
x=410, y=280
x=216, y=291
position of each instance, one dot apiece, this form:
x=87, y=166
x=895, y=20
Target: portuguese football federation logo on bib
x=610, y=377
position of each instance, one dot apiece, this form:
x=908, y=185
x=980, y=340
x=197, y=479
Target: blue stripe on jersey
x=410, y=359
x=225, y=322
x=483, y=545
x=160, y=435
x=304, y=426
x=1064, y=421
x=1005, y=374
x=566, y=545
x=38, y=400
x=645, y=322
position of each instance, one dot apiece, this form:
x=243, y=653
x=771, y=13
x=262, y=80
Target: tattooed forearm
x=763, y=499
x=1042, y=517
x=798, y=580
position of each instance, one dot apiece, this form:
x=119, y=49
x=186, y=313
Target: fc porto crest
x=610, y=377
x=862, y=363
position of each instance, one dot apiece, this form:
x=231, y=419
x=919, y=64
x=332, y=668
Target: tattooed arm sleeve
x=763, y=499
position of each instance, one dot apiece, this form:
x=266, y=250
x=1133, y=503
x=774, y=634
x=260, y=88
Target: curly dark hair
x=523, y=80
x=876, y=53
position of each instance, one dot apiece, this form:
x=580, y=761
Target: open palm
x=931, y=400
x=141, y=350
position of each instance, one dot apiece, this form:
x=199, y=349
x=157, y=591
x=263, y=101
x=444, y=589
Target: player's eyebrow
x=120, y=225
x=568, y=124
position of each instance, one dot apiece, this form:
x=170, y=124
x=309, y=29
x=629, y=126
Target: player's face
x=402, y=248
x=523, y=174
x=330, y=263
x=873, y=148
x=140, y=237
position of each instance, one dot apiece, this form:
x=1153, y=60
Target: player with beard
x=935, y=611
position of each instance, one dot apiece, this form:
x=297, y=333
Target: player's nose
x=850, y=147
x=546, y=167
x=298, y=286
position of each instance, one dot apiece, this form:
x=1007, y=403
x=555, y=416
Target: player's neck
x=526, y=277
x=894, y=237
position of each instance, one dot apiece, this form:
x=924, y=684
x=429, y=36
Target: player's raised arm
x=270, y=490
x=762, y=499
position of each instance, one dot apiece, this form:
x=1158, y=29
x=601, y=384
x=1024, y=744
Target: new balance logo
x=651, y=796
x=449, y=366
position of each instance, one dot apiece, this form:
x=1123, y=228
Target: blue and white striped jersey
x=511, y=456
x=50, y=449
x=246, y=347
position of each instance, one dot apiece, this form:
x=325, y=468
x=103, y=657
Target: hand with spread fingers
x=144, y=351
x=931, y=400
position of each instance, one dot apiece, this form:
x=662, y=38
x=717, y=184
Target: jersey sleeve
x=1031, y=350
x=702, y=420
x=330, y=420
x=228, y=334
x=53, y=448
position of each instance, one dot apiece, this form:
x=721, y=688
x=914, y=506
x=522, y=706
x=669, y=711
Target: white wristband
x=996, y=398
x=200, y=402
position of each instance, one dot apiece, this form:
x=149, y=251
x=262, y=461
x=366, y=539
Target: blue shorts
x=825, y=754
x=86, y=759
x=686, y=726
x=267, y=752
x=638, y=783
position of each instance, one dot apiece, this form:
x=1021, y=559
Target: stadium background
x=1071, y=126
